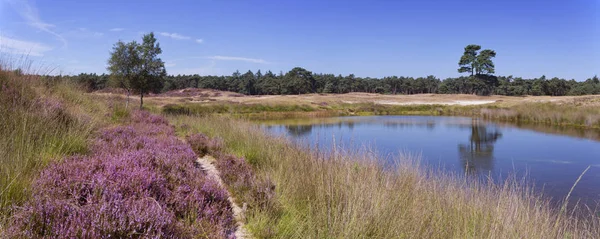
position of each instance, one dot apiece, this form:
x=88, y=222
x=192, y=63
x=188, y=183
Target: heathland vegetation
x=80, y=165
x=342, y=194
x=578, y=111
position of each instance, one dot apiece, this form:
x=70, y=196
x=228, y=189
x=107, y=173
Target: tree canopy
x=299, y=81
x=136, y=67
x=270, y=83
x=475, y=62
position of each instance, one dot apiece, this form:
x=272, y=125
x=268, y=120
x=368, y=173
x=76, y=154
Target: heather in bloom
x=236, y=173
x=14, y=93
x=203, y=145
x=139, y=182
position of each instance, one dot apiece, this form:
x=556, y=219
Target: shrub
x=236, y=173
x=140, y=181
x=203, y=145
x=36, y=126
x=247, y=187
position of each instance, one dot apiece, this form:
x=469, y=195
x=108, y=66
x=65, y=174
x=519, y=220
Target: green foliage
x=468, y=61
x=485, y=63
x=119, y=113
x=207, y=109
x=480, y=65
x=41, y=119
x=299, y=81
x=271, y=84
x=124, y=65
x=350, y=195
x=91, y=82
x=476, y=62
x=137, y=67
x=126, y=59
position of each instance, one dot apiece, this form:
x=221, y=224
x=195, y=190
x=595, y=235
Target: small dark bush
x=203, y=145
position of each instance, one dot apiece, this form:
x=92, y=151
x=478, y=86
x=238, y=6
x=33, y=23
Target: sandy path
x=206, y=163
x=455, y=102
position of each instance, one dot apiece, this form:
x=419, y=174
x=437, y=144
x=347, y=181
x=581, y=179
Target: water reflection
x=463, y=145
x=429, y=124
x=298, y=130
x=478, y=155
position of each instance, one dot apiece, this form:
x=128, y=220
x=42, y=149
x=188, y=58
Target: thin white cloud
x=200, y=41
x=236, y=58
x=175, y=36
x=116, y=29
x=30, y=14
x=83, y=32
x=15, y=46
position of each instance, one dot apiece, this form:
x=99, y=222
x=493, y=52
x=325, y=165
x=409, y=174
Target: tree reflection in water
x=299, y=130
x=478, y=155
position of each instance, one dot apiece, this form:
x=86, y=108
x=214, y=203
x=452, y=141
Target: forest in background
x=302, y=81
x=138, y=69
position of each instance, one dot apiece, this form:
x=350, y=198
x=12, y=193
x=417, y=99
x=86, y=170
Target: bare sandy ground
x=206, y=163
x=213, y=96
x=456, y=102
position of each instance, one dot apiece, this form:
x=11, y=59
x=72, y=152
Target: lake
x=552, y=158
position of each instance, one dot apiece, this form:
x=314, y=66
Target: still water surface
x=550, y=158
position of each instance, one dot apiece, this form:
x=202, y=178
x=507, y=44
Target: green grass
x=547, y=113
x=567, y=114
x=350, y=195
x=231, y=108
x=40, y=121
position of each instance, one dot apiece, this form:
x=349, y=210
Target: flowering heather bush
x=52, y=109
x=140, y=182
x=139, y=116
x=203, y=145
x=13, y=93
x=236, y=173
x=49, y=106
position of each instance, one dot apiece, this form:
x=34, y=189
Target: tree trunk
x=141, y=100
x=127, y=101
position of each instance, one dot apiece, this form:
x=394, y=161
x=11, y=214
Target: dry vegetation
x=352, y=196
x=40, y=121
x=345, y=195
x=82, y=166
x=215, y=96
x=577, y=111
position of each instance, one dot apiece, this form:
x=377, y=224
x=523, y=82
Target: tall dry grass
x=565, y=114
x=581, y=112
x=352, y=196
x=41, y=119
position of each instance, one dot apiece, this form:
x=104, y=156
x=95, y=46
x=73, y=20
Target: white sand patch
x=266, y=96
x=206, y=163
x=455, y=102
x=474, y=102
x=549, y=100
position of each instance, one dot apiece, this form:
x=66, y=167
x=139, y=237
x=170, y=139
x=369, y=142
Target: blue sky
x=368, y=38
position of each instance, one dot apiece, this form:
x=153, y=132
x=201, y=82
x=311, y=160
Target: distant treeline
x=301, y=81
